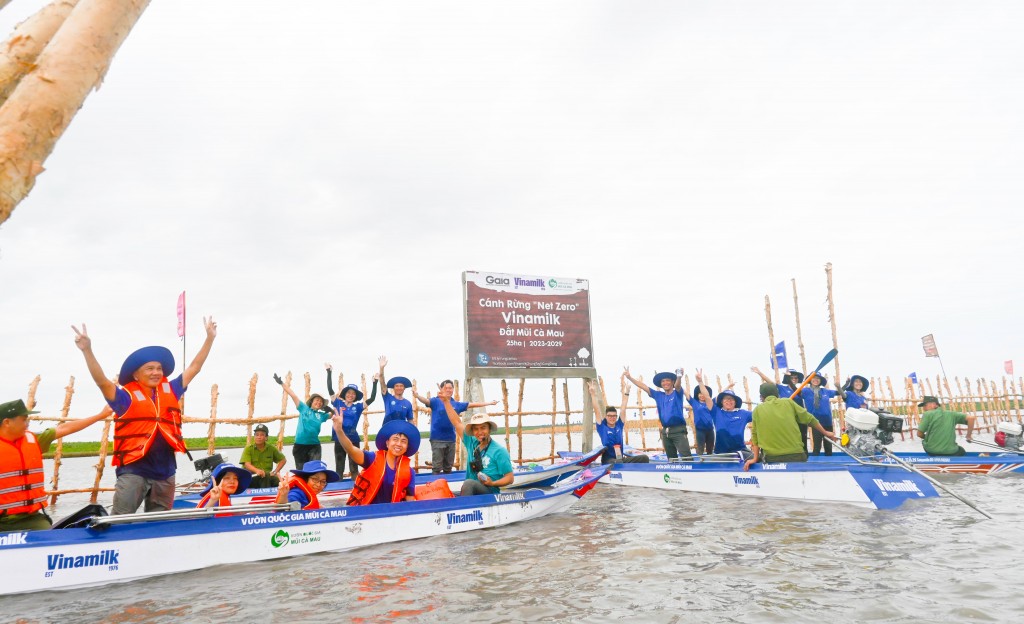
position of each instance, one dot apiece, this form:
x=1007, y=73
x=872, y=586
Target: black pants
x=340, y=457
x=304, y=453
x=819, y=439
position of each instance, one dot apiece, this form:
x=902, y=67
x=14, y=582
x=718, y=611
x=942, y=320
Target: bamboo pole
x=840, y=407
x=1006, y=399
x=568, y=425
x=771, y=337
x=416, y=420
x=284, y=413
x=101, y=460
x=643, y=419
x=211, y=442
x=19, y=53
x=624, y=388
x=519, y=419
x=59, y=450
x=366, y=415
x=1016, y=399
x=554, y=413
x=251, y=402
x=746, y=393
x=39, y=110
x=504, y=404
x=30, y=401
x=799, y=335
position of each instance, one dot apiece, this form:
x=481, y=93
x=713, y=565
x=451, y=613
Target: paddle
x=831, y=355
x=906, y=466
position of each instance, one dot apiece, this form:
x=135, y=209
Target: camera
x=207, y=464
x=477, y=463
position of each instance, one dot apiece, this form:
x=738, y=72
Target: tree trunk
x=18, y=54
x=46, y=99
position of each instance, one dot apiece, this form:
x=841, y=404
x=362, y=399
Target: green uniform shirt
x=265, y=459
x=495, y=459
x=775, y=428
x=939, y=429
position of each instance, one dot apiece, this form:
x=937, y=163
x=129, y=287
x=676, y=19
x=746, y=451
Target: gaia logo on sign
x=279, y=539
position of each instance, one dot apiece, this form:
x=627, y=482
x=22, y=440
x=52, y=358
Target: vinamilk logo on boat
x=283, y=538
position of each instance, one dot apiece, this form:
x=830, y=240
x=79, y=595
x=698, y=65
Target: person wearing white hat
x=490, y=466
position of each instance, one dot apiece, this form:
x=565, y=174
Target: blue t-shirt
x=701, y=415
x=388, y=482
x=670, y=406
x=349, y=419
x=730, y=428
x=823, y=412
x=441, y=429
x=397, y=409
x=854, y=400
x=310, y=421
x=610, y=436
x=298, y=496
x=495, y=459
x=158, y=463
x=785, y=392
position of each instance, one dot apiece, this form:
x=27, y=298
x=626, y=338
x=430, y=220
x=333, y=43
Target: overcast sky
x=317, y=175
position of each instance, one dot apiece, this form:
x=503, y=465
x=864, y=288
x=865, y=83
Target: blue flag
x=780, y=356
x=913, y=378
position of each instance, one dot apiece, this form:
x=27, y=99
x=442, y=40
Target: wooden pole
x=771, y=336
x=799, y=336
x=30, y=400
x=835, y=340
x=554, y=414
x=284, y=413
x=211, y=440
x=19, y=53
x=42, y=105
x=251, y=402
x=624, y=387
x=519, y=419
x=504, y=404
x=568, y=425
x=58, y=452
x=643, y=417
x=101, y=460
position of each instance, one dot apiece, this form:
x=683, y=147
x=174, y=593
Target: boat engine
x=1009, y=435
x=869, y=430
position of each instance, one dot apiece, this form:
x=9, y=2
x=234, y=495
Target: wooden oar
x=963, y=500
x=831, y=355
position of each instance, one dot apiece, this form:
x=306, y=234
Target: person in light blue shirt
x=669, y=399
x=489, y=466
x=312, y=415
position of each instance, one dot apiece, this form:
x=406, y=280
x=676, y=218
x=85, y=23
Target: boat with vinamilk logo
x=101, y=549
x=525, y=477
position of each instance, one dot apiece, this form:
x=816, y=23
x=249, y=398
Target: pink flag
x=1008, y=367
x=181, y=315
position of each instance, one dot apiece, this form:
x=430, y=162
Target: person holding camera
x=442, y=434
x=669, y=399
x=260, y=458
x=490, y=466
x=147, y=430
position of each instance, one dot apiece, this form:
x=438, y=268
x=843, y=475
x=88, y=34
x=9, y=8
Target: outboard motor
x=1009, y=435
x=869, y=430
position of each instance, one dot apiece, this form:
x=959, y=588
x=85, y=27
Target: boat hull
x=971, y=463
x=71, y=558
x=881, y=487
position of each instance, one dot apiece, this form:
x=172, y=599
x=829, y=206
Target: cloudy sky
x=317, y=176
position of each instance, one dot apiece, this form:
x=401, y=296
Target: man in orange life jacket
x=22, y=493
x=147, y=430
x=387, y=476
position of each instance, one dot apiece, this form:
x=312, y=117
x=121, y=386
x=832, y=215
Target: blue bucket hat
x=144, y=356
x=244, y=476
x=310, y=468
x=862, y=380
x=729, y=393
x=402, y=380
x=795, y=375
x=359, y=395
x=403, y=427
x=696, y=392
x=823, y=378
x=660, y=376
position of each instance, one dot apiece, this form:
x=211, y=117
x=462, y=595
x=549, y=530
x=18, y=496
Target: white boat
x=873, y=486
x=525, y=477
x=114, y=549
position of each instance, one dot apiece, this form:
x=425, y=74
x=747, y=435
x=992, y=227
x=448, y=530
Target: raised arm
x=288, y=389
x=383, y=361
x=704, y=388
x=453, y=416
x=83, y=342
x=638, y=384
x=763, y=377
x=204, y=351
x=488, y=404
x=74, y=426
x=679, y=379
x=373, y=393
x=330, y=388
x=421, y=399
x=351, y=450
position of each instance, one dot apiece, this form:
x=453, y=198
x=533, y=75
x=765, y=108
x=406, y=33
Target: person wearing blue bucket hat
x=147, y=431
x=853, y=391
x=306, y=483
x=703, y=421
x=387, y=475
x=396, y=407
x=790, y=380
x=350, y=404
x=730, y=422
x=669, y=399
x=818, y=401
x=226, y=480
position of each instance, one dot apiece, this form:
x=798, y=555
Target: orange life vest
x=298, y=482
x=368, y=482
x=135, y=430
x=21, y=476
x=225, y=500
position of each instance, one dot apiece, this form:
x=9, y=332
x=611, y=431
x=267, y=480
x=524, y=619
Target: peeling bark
x=19, y=53
x=46, y=99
